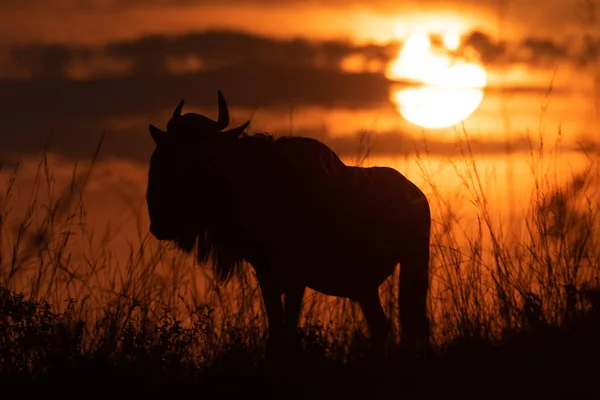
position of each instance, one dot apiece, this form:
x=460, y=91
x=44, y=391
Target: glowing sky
x=78, y=69
x=111, y=65
x=87, y=21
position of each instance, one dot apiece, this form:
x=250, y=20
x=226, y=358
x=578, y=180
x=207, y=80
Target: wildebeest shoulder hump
x=309, y=153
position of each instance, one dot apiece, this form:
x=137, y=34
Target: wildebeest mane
x=213, y=247
x=218, y=238
x=258, y=137
x=212, y=227
x=217, y=234
x=219, y=242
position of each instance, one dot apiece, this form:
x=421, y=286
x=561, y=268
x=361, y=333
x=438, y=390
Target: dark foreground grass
x=515, y=312
x=39, y=345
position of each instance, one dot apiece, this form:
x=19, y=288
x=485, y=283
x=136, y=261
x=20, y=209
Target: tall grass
x=66, y=300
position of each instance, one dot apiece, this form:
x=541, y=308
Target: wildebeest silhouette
x=297, y=214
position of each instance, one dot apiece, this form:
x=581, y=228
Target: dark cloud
x=79, y=142
x=253, y=72
x=545, y=49
x=489, y=51
x=76, y=110
x=75, y=113
x=151, y=55
x=590, y=50
x=534, y=51
x=47, y=61
x=142, y=94
x=224, y=47
x=401, y=144
x=159, y=55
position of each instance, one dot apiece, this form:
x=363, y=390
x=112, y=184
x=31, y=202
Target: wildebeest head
x=178, y=165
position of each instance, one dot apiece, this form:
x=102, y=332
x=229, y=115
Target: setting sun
x=446, y=89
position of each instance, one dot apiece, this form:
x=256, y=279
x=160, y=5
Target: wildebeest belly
x=331, y=274
x=333, y=234
x=333, y=262
x=347, y=279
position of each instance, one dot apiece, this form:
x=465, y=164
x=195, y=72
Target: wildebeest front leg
x=272, y=298
x=292, y=309
x=379, y=325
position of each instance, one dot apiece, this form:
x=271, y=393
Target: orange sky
x=78, y=69
x=87, y=21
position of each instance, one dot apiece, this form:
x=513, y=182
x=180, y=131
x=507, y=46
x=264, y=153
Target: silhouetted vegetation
x=514, y=314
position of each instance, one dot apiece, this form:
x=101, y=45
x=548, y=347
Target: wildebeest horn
x=238, y=130
x=223, y=113
x=177, y=112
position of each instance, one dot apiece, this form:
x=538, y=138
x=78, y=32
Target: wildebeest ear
x=236, y=131
x=157, y=134
x=223, y=119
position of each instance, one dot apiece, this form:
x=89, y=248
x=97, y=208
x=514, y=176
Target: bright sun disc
x=447, y=90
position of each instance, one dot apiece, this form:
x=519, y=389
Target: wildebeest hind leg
x=412, y=296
